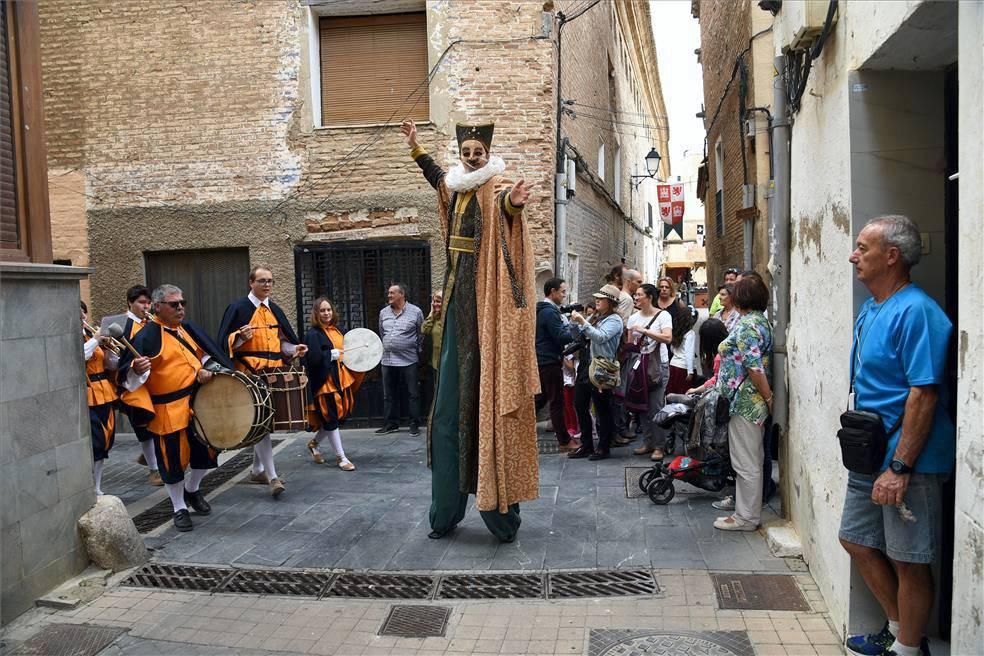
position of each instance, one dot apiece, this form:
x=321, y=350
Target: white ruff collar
x=457, y=180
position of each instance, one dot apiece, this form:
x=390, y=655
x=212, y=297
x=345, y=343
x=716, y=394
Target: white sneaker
x=727, y=503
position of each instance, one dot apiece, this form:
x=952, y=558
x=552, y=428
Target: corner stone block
x=63, y=354
x=23, y=370
x=37, y=483
x=10, y=513
x=60, y=416
x=47, y=537
x=29, y=308
x=74, y=462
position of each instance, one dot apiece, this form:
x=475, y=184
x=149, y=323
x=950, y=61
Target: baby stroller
x=690, y=420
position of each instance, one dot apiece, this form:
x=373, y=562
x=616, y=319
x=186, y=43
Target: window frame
x=719, y=222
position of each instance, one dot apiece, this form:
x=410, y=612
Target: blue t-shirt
x=898, y=344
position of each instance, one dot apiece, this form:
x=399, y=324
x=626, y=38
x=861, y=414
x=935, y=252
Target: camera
x=573, y=307
x=580, y=342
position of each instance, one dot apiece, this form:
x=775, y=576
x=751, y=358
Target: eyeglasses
x=264, y=281
x=176, y=304
x=734, y=271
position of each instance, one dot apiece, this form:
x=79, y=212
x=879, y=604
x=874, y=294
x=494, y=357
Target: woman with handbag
x=650, y=330
x=597, y=373
x=743, y=378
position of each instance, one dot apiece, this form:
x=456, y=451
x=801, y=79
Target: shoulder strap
x=176, y=335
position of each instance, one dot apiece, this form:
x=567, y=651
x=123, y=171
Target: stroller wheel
x=661, y=491
x=646, y=478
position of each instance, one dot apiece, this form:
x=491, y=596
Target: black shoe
x=599, y=455
x=197, y=501
x=386, y=430
x=437, y=535
x=580, y=453
x=415, y=430
x=182, y=520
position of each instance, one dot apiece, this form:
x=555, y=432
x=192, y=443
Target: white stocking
x=147, y=446
x=194, y=479
x=176, y=492
x=97, y=473
x=264, y=451
x=336, y=442
x=257, y=461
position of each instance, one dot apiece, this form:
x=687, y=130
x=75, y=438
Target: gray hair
x=902, y=233
x=164, y=290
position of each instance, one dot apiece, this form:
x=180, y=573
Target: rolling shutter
x=373, y=69
x=9, y=218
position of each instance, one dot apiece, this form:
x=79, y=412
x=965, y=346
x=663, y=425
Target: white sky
x=677, y=34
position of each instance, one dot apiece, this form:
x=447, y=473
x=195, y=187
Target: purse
x=603, y=373
x=863, y=440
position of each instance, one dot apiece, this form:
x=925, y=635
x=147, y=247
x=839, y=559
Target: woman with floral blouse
x=743, y=377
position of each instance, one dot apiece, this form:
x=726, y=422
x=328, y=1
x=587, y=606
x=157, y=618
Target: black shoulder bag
x=863, y=439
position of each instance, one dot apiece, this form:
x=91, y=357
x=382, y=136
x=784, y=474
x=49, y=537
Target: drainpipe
x=779, y=217
x=560, y=175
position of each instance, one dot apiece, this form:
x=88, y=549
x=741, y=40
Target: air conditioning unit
x=804, y=21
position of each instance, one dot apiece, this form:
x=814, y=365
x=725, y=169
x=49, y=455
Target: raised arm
x=433, y=172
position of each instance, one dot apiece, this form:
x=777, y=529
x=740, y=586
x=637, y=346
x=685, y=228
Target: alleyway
x=375, y=520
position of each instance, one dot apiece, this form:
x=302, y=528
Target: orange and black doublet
x=331, y=385
x=101, y=397
x=135, y=406
x=270, y=329
x=176, y=357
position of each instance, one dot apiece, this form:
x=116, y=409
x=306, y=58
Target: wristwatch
x=899, y=467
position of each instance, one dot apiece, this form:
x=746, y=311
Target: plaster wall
x=967, y=629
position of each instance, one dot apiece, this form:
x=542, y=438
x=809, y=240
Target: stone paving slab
x=376, y=518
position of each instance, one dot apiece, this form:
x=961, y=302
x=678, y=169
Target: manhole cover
x=628, y=642
x=278, y=582
x=632, y=474
x=178, y=577
x=382, y=586
x=547, y=446
x=416, y=621
x=758, y=592
x=615, y=583
x=162, y=512
x=68, y=640
x=491, y=586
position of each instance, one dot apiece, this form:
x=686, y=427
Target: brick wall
x=724, y=33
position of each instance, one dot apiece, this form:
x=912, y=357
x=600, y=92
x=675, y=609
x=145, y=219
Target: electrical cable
x=616, y=111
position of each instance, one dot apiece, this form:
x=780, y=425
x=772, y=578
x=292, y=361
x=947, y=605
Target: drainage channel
x=327, y=584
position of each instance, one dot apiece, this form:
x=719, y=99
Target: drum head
x=363, y=350
x=225, y=411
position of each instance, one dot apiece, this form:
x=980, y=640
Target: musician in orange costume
x=331, y=386
x=256, y=334
x=100, y=392
x=175, y=357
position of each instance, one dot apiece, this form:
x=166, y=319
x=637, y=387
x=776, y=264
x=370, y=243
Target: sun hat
x=609, y=292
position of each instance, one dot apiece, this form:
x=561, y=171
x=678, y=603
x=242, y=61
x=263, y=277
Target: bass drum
x=232, y=411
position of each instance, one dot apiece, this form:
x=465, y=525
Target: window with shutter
x=9, y=215
x=374, y=69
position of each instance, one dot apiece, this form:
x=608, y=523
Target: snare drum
x=232, y=411
x=288, y=388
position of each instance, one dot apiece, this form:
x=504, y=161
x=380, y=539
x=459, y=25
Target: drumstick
x=116, y=332
x=352, y=348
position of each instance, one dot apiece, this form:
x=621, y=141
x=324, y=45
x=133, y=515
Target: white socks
x=264, y=452
x=335, y=437
x=903, y=650
x=147, y=446
x=893, y=627
x=176, y=492
x=194, y=479
x=257, y=467
x=97, y=474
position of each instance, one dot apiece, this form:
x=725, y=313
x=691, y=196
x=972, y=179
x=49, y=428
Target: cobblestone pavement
x=376, y=518
x=122, y=476
x=166, y=622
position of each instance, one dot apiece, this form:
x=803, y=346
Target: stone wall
x=45, y=450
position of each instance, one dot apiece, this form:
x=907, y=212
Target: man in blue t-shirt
x=891, y=519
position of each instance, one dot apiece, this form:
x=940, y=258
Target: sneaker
x=873, y=644
x=276, y=488
x=727, y=503
x=414, y=431
x=154, y=478
x=733, y=524
x=386, y=430
x=197, y=501
x=315, y=452
x=182, y=520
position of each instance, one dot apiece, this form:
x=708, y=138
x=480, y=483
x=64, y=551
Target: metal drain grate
x=68, y=640
x=547, y=446
x=382, y=586
x=162, y=512
x=178, y=577
x=758, y=592
x=306, y=584
x=615, y=583
x=491, y=586
x=632, y=474
x=416, y=621
x=634, y=642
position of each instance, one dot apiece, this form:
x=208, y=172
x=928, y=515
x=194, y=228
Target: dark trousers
x=584, y=394
x=400, y=383
x=552, y=391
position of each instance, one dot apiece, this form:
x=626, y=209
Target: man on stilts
x=482, y=437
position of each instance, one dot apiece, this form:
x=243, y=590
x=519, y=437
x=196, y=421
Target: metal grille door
x=356, y=276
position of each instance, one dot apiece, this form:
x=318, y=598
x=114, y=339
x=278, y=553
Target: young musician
x=100, y=394
x=255, y=333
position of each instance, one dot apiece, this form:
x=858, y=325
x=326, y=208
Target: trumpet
x=93, y=331
x=117, y=343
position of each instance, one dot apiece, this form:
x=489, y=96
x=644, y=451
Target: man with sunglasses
x=175, y=357
x=730, y=276
x=256, y=334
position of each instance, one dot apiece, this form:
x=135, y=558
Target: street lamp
x=652, y=166
x=652, y=162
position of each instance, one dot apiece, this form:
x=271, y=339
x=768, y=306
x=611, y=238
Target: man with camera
x=553, y=332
